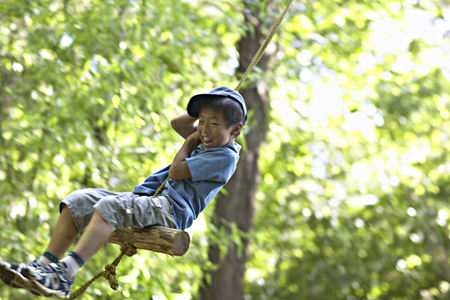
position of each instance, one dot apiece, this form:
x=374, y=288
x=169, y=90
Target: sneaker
x=11, y=274
x=51, y=280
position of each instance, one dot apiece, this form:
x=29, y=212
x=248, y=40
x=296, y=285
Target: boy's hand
x=179, y=168
x=193, y=140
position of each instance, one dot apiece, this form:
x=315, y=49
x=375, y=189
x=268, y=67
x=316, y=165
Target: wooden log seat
x=155, y=238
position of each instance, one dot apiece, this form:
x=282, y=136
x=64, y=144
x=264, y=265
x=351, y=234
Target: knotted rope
x=110, y=271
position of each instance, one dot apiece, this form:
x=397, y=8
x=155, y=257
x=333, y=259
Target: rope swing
x=178, y=238
x=263, y=46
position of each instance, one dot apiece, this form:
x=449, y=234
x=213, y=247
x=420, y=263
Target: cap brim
x=196, y=102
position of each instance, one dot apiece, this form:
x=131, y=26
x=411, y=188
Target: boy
x=195, y=178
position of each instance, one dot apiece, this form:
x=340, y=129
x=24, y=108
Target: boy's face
x=213, y=129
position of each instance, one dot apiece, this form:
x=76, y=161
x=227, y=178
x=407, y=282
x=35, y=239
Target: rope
x=263, y=47
x=109, y=273
x=161, y=187
x=128, y=249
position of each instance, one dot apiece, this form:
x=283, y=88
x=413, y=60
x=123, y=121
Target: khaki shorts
x=119, y=209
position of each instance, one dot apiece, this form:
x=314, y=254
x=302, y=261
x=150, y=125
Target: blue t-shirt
x=210, y=171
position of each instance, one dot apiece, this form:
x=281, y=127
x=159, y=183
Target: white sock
x=72, y=266
x=43, y=260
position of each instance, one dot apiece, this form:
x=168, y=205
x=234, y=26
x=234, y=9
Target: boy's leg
x=56, y=279
x=63, y=235
x=94, y=237
x=124, y=209
x=81, y=203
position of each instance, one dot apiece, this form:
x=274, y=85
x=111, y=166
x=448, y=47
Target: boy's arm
x=179, y=168
x=184, y=124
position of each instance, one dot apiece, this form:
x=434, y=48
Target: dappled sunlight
x=326, y=102
x=358, y=121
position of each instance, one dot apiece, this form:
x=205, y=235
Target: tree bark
x=155, y=238
x=227, y=281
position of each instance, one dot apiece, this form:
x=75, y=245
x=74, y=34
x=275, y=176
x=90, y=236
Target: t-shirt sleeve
x=216, y=166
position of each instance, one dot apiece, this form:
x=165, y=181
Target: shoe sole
x=41, y=289
x=16, y=280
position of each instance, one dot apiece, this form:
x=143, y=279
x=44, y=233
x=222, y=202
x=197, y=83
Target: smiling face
x=214, y=130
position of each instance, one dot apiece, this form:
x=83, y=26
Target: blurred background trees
x=349, y=195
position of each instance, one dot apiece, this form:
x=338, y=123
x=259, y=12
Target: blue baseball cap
x=195, y=103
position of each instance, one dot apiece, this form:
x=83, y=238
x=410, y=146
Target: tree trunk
x=227, y=281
